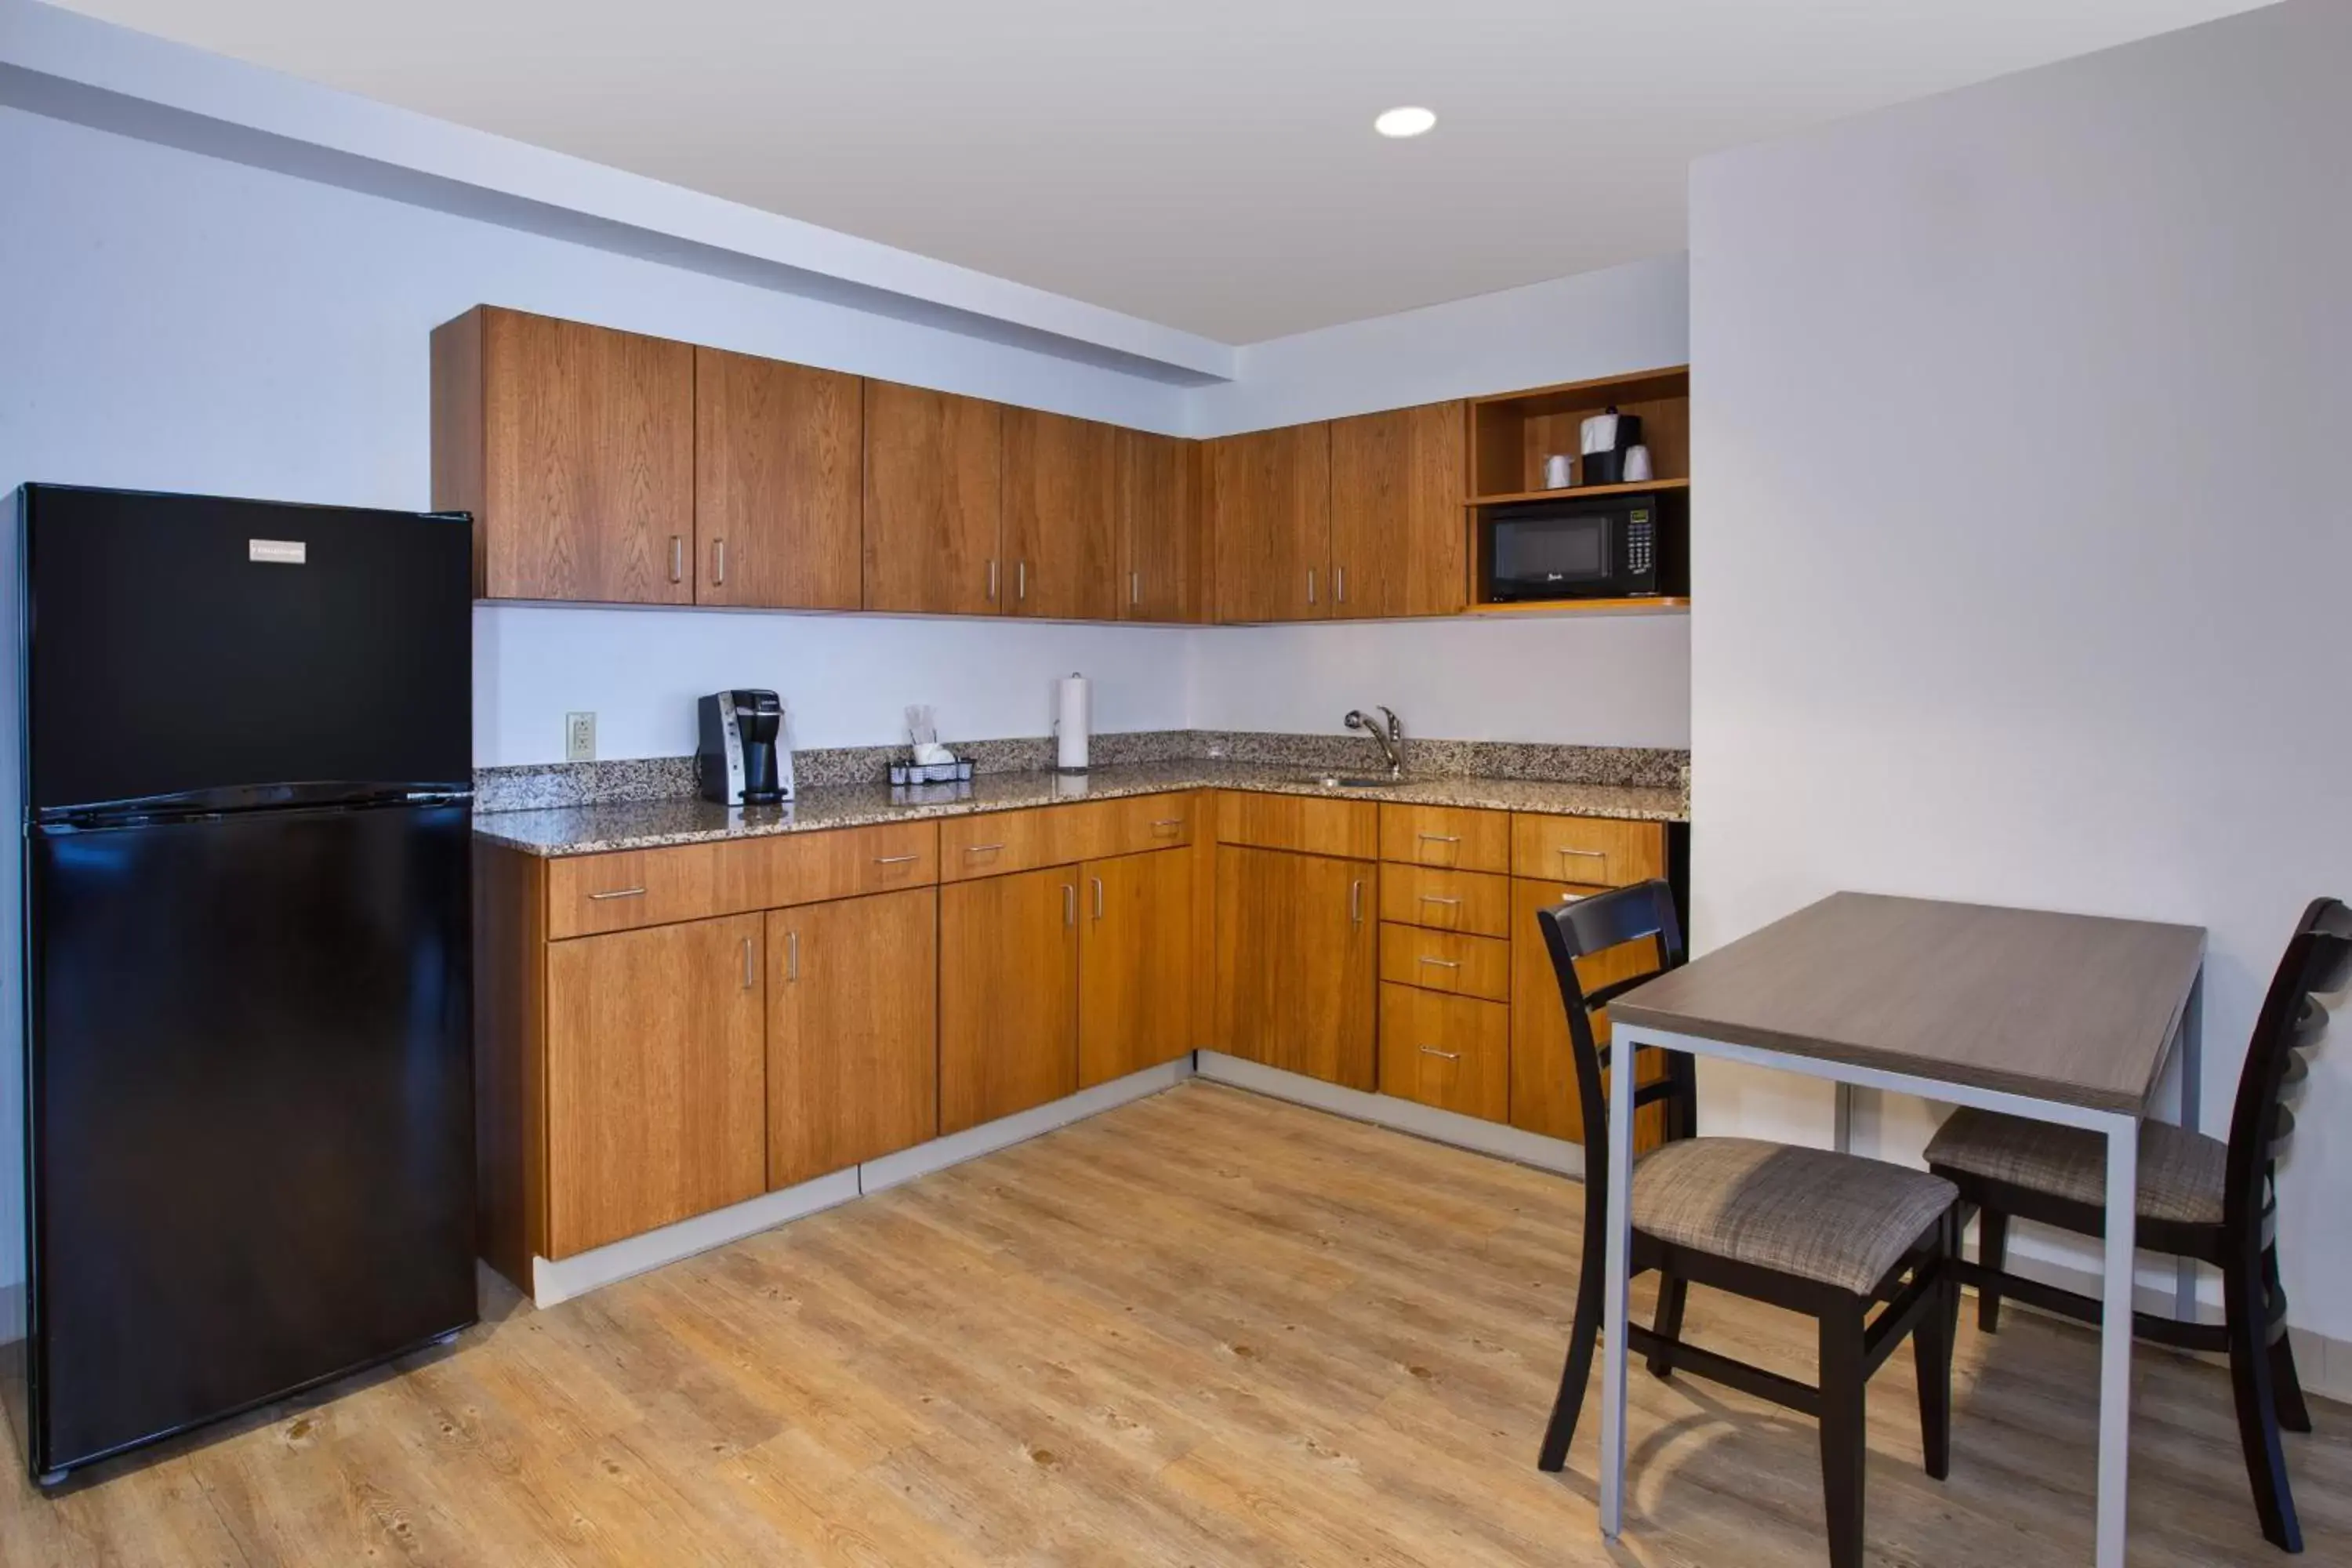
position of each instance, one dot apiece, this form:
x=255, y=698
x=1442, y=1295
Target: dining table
x=2066, y=1019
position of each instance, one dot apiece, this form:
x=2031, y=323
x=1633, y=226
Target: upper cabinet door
x=573, y=446
x=1399, y=530
x=777, y=454
x=1061, y=517
x=1271, y=504
x=1162, y=522
x=933, y=502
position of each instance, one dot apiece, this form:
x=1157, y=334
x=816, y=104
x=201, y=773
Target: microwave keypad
x=1640, y=545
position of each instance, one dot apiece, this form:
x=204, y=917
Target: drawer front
x=995, y=843
x=847, y=862
x=1452, y=1052
x=1310, y=824
x=1438, y=961
x=1470, y=902
x=591, y=894
x=1454, y=837
x=1099, y=829
x=1589, y=850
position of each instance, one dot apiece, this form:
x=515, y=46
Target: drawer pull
x=1433, y=1051
x=896, y=859
x=1167, y=822
x=1588, y=854
x=1442, y=962
x=1435, y=899
x=1439, y=837
x=983, y=849
x=637, y=892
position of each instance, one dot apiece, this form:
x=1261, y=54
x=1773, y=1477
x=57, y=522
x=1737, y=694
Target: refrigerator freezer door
x=182, y=643
x=252, y=1108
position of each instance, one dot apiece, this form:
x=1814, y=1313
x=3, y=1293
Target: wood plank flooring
x=1205, y=1329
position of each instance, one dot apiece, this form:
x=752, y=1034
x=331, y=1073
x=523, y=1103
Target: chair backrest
x=1643, y=912
x=2318, y=961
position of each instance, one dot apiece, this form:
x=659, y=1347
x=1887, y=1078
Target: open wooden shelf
x=1647, y=606
x=1512, y=434
x=1638, y=487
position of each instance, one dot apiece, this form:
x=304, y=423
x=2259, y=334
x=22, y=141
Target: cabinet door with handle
x=657, y=1092
x=1135, y=963
x=779, y=452
x=1008, y=994
x=1271, y=499
x=933, y=502
x=1061, y=517
x=1399, y=533
x=1297, y=962
x=1162, y=527
x=852, y=1031
x=1543, y=1061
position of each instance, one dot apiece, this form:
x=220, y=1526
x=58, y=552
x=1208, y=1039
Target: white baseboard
x=1404, y=1115
x=554, y=1281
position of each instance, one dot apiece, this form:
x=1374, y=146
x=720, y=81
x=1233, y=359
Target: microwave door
x=1552, y=556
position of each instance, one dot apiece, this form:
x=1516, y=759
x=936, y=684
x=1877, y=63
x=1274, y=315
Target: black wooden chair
x=1826, y=1234
x=2199, y=1197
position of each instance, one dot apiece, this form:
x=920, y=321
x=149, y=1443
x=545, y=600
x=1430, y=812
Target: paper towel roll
x=1072, y=717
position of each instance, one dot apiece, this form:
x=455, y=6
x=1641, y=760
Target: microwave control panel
x=1640, y=542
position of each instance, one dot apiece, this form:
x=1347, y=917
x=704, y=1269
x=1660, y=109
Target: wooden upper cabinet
x=1297, y=962
x=1061, y=517
x=933, y=502
x=853, y=1032
x=1399, y=530
x=1008, y=994
x=573, y=447
x=1271, y=503
x=779, y=452
x=1162, y=529
x=655, y=1079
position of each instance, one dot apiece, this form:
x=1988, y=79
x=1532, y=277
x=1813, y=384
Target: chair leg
x=1561, y=1431
x=1931, y=1357
x=2286, y=1388
x=1668, y=1324
x=1843, y=1425
x=1992, y=1252
x=2243, y=1304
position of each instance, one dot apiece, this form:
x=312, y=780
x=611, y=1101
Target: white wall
x=2025, y=568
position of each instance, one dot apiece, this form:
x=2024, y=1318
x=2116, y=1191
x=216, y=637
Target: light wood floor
x=1203, y=1329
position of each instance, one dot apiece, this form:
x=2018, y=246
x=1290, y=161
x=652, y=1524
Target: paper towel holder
x=1072, y=717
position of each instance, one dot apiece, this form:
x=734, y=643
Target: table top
x=2079, y=1009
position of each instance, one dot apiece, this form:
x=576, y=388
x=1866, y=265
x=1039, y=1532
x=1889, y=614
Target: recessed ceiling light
x=1405, y=122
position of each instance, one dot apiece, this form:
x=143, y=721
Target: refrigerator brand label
x=277, y=551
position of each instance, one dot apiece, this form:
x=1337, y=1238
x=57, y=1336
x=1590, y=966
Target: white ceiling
x=1208, y=165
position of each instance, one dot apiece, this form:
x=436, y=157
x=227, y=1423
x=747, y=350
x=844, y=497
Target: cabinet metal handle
x=1442, y=962
x=896, y=859
x=791, y=955
x=677, y=558
x=1356, y=902
x=1433, y=1051
x=1135, y=587
x=991, y=579
x=1069, y=905
x=1170, y=821
x=1588, y=854
x=638, y=892
x=983, y=849
x=1099, y=902
x=1021, y=577
x=1339, y=585
x=1434, y=899
x=1439, y=837
x=719, y=561
x=750, y=979
x=1310, y=585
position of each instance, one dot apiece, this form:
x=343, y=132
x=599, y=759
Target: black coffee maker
x=742, y=760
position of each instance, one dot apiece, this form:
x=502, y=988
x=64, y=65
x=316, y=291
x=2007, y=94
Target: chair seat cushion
x=1839, y=1219
x=2182, y=1174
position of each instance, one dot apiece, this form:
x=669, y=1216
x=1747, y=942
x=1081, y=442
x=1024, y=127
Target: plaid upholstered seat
x=2181, y=1173
x=1836, y=1218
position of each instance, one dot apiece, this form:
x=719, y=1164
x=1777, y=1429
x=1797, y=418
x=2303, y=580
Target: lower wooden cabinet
x=853, y=1032
x=1136, y=970
x=1452, y=1052
x=1008, y=994
x=1543, y=1062
x=1296, y=961
x=657, y=1102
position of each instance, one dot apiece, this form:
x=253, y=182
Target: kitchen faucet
x=1391, y=741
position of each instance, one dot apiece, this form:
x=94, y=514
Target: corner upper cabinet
x=1399, y=533
x=573, y=447
x=1162, y=527
x=933, y=502
x=1271, y=508
x=1061, y=517
x=779, y=455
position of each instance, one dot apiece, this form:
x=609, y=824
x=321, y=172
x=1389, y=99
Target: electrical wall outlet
x=580, y=737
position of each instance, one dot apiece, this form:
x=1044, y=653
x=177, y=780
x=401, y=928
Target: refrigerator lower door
x=251, y=1111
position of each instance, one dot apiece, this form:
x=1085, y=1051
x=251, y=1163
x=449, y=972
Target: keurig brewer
x=742, y=760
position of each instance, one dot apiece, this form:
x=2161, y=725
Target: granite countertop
x=646, y=825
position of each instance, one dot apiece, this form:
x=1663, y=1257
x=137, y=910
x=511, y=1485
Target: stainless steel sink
x=1335, y=780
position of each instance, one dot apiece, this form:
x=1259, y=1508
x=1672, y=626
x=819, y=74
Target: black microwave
x=1594, y=547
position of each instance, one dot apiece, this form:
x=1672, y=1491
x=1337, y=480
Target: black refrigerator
x=248, y=1096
